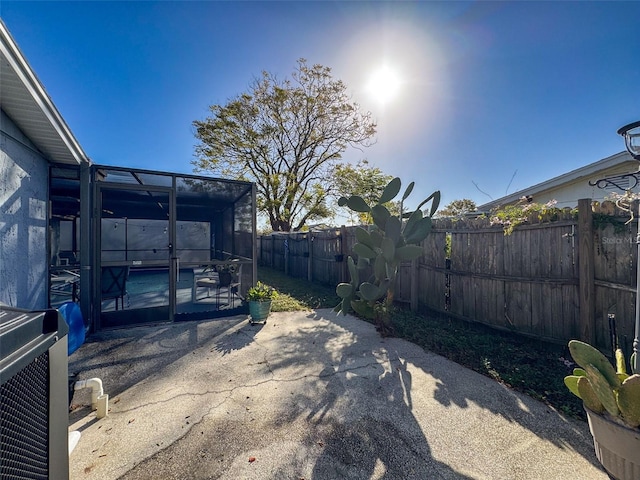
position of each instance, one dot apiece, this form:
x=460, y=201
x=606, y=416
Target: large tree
x=286, y=136
x=458, y=208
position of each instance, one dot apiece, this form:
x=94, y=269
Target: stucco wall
x=23, y=220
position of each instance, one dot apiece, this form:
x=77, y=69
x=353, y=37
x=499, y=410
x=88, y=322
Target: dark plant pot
x=617, y=446
x=259, y=311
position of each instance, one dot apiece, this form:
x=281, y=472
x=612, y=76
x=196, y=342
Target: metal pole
x=636, y=341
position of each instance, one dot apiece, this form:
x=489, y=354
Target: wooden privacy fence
x=318, y=256
x=553, y=278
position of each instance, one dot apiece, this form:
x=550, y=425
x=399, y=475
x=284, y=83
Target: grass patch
x=530, y=366
x=296, y=293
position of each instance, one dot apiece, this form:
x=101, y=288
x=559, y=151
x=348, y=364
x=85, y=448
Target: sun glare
x=384, y=85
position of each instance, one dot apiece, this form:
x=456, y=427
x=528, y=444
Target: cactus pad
x=621, y=366
x=408, y=252
x=571, y=381
x=602, y=389
x=370, y=291
x=363, y=308
x=363, y=237
x=584, y=354
x=344, y=290
x=357, y=204
x=588, y=396
x=390, y=191
x=362, y=250
x=629, y=400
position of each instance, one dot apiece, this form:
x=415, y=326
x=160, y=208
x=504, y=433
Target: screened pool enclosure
x=136, y=246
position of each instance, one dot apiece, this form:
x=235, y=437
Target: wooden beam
x=586, y=271
x=310, y=257
x=414, y=285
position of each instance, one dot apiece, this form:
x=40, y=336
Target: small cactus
x=603, y=388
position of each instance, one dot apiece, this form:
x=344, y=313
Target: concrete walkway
x=307, y=396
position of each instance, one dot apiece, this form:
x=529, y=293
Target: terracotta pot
x=617, y=447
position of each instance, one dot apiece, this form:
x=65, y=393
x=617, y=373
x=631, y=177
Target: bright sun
x=384, y=85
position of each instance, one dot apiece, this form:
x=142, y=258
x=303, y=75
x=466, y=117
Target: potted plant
x=259, y=298
x=611, y=398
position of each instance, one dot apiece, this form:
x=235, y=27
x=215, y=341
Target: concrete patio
x=309, y=395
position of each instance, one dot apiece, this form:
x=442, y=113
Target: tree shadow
x=359, y=413
x=321, y=396
x=363, y=404
x=124, y=357
x=474, y=389
x=237, y=338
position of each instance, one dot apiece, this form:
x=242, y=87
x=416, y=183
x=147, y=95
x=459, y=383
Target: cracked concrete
x=309, y=395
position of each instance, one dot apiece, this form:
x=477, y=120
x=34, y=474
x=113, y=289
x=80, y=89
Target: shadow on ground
x=315, y=396
x=124, y=357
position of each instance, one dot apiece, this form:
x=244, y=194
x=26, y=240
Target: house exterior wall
x=24, y=188
x=570, y=187
x=567, y=195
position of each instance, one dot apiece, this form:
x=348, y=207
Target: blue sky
x=487, y=89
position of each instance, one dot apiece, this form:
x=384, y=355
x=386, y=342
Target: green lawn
x=529, y=366
x=296, y=293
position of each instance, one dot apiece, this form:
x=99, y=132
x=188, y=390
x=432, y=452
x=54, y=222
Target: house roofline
x=34, y=91
x=582, y=172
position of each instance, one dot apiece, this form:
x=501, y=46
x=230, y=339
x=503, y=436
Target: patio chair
x=231, y=288
x=114, y=284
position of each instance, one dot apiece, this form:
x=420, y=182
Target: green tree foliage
x=364, y=181
x=458, y=208
x=286, y=136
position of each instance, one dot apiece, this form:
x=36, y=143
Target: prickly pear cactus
x=603, y=388
x=390, y=241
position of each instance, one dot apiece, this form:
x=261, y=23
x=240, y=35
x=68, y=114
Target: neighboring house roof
x=24, y=99
x=618, y=164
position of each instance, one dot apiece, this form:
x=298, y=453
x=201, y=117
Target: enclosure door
x=134, y=270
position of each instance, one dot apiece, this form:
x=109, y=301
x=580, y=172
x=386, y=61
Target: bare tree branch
x=506, y=191
x=478, y=188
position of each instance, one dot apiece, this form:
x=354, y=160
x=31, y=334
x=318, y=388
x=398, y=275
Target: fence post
x=286, y=253
x=344, y=268
x=310, y=258
x=273, y=251
x=586, y=271
x=414, y=285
